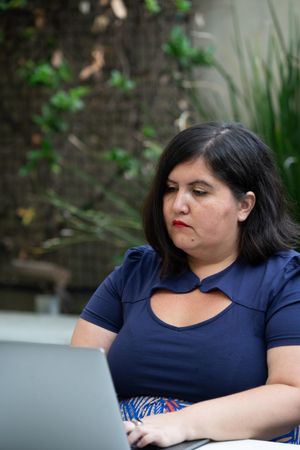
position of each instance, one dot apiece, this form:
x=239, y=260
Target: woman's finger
x=135, y=434
x=129, y=426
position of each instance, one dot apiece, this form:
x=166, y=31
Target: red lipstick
x=179, y=223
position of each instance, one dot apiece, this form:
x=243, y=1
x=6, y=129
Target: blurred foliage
x=131, y=168
x=12, y=4
x=266, y=99
x=271, y=98
x=46, y=153
x=121, y=82
x=266, y=96
x=122, y=225
x=187, y=56
x=152, y=6
x=55, y=113
x=44, y=74
x=183, y=6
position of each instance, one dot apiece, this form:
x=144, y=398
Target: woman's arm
x=261, y=413
x=86, y=334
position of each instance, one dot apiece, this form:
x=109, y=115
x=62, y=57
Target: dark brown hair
x=244, y=163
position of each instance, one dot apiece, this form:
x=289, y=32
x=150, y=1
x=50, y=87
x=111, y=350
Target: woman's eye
x=170, y=189
x=198, y=193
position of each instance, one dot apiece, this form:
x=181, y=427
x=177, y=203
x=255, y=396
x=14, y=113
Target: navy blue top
x=219, y=356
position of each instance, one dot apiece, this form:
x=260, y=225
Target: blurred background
x=91, y=92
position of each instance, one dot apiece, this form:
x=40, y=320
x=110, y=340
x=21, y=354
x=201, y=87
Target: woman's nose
x=180, y=204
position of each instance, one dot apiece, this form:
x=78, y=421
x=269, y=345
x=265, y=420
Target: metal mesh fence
x=79, y=30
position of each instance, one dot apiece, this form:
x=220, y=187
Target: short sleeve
x=105, y=307
x=283, y=314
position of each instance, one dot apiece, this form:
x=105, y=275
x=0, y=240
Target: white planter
x=47, y=304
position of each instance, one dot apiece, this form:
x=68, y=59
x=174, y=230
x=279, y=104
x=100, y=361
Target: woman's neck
x=204, y=268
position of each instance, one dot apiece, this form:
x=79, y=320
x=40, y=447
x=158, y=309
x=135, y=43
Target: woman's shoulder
x=273, y=267
x=283, y=262
x=277, y=274
x=140, y=251
x=142, y=261
x=140, y=254
x=140, y=269
x=255, y=286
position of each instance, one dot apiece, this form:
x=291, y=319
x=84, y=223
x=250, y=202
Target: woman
x=205, y=323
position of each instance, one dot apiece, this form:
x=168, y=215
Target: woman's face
x=201, y=214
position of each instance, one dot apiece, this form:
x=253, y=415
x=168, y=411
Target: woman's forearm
x=261, y=413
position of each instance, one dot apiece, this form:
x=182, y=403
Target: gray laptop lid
x=51, y=399
x=56, y=397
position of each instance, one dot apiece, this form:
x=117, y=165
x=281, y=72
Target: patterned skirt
x=139, y=407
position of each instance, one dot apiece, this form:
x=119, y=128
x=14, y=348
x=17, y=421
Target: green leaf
x=183, y=6
x=129, y=165
x=179, y=47
x=69, y=100
x=44, y=74
x=152, y=150
x=121, y=81
x=50, y=121
x=152, y=6
x=149, y=131
x=64, y=72
x=45, y=153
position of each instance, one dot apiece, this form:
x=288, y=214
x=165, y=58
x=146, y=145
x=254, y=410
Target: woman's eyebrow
x=201, y=182
x=191, y=183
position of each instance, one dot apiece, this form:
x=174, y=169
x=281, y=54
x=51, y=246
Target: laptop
x=56, y=397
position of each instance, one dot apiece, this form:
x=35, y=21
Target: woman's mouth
x=179, y=224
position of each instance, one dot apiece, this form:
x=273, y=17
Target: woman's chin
x=185, y=245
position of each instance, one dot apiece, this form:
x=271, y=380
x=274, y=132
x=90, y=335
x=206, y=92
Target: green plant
x=183, y=6
x=55, y=112
x=275, y=107
x=179, y=47
x=46, y=153
x=89, y=224
x=12, y=4
x=121, y=82
x=266, y=98
x=269, y=101
x=130, y=169
x=44, y=74
x=121, y=225
x=152, y=6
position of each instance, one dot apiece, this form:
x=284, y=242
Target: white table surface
x=34, y=327
x=247, y=444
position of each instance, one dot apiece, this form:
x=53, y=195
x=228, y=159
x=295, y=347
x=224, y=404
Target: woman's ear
x=246, y=204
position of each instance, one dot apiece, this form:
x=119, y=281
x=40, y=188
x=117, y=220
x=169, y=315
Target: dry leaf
x=100, y=24
x=183, y=104
x=84, y=7
x=119, y=9
x=95, y=67
x=36, y=139
x=164, y=80
x=57, y=58
x=183, y=120
x=199, y=20
x=27, y=215
x=39, y=18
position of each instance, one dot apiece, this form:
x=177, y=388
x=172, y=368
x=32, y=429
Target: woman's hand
x=162, y=430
